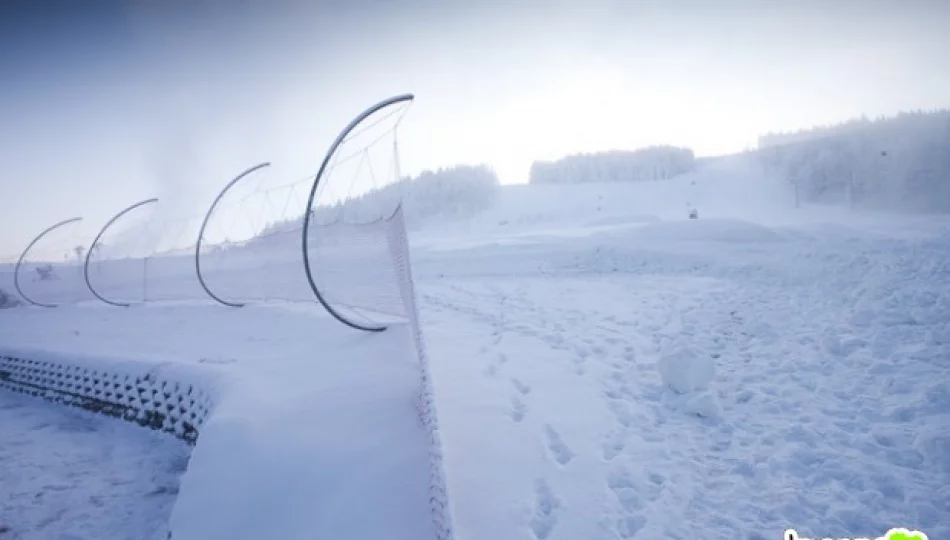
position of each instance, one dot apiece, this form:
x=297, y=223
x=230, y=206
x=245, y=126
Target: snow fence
x=438, y=496
x=133, y=392
x=179, y=399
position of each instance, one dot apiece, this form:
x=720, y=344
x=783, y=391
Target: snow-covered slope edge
x=315, y=430
x=319, y=445
x=351, y=415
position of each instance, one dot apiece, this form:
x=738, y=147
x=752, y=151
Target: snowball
x=686, y=369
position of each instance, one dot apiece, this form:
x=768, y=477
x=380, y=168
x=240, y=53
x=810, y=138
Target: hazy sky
x=107, y=102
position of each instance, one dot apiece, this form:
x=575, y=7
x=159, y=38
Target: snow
x=313, y=428
x=311, y=448
x=827, y=412
x=817, y=381
x=67, y=474
x=686, y=369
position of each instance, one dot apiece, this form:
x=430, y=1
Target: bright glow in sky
x=106, y=103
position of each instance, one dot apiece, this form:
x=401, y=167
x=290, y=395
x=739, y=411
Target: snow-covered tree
x=652, y=163
x=899, y=163
x=459, y=191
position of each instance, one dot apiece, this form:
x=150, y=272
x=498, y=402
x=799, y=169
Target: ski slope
x=813, y=343
x=828, y=410
x=827, y=332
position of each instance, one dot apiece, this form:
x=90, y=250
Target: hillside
x=897, y=164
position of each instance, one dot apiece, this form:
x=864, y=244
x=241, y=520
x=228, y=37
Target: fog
x=108, y=103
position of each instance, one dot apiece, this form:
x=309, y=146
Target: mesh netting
x=251, y=247
x=116, y=269
x=348, y=256
x=249, y=244
x=145, y=254
x=51, y=268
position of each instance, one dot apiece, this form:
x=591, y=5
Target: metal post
x=204, y=225
x=313, y=191
x=16, y=269
x=92, y=248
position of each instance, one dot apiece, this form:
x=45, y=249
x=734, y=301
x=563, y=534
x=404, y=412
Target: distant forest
x=899, y=163
x=459, y=191
x=651, y=163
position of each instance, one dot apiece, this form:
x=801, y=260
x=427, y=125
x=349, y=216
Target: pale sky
x=104, y=103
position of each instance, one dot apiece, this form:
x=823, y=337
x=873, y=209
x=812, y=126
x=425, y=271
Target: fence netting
x=248, y=248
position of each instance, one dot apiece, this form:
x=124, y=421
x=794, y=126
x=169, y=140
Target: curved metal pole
x=204, y=225
x=313, y=191
x=16, y=269
x=85, y=266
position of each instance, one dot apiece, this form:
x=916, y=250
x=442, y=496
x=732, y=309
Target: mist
x=108, y=103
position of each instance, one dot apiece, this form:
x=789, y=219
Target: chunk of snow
x=686, y=369
x=703, y=404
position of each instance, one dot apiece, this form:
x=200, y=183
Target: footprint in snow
x=562, y=454
x=634, y=498
x=629, y=526
x=521, y=387
x=518, y=409
x=613, y=446
x=546, y=505
x=622, y=483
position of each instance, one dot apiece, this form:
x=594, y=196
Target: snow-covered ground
x=816, y=345
x=67, y=474
x=829, y=410
x=312, y=428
